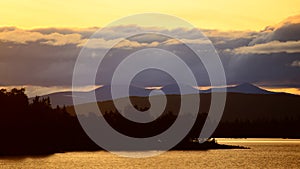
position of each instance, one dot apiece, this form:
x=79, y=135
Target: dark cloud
x=288, y=30
x=270, y=47
x=266, y=69
x=36, y=64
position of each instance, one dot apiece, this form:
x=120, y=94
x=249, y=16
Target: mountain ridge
x=104, y=93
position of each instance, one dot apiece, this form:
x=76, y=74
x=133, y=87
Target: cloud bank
x=46, y=57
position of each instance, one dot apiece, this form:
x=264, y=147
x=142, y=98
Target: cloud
x=46, y=57
x=270, y=47
x=19, y=36
x=105, y=38
x=24, y=36
x=34, y=63
x=57, y=39
x=138, y=42
x=295, y=63
x=231, y=39
x=186, y=41
x=287, y=30
x=98, y=43
x=134, y=44
x=116, y=43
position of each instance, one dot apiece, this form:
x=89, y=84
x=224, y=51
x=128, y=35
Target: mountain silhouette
x=104, y=93
x=175, y=89
x=246, y=88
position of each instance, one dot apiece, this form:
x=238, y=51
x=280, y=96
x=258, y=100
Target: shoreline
x=221, y=143
x=190, y=147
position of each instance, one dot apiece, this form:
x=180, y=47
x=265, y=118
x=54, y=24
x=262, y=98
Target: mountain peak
x=248, y=88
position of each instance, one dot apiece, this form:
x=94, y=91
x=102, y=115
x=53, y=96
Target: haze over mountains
x=104, y=93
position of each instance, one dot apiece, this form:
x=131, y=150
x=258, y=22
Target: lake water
x=264, y=153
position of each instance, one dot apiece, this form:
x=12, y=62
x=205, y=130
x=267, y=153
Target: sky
x=205, y=14
x=258, y=41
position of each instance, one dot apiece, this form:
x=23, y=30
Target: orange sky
x=212, y=14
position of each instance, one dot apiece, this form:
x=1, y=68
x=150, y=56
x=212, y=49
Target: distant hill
x=246, y=88
x=175, y=89
x=239, y=106
x=104, y=93
x=245, y=115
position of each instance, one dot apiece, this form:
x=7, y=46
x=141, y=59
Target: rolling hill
x=104, y=93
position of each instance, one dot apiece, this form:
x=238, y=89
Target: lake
x=263, y=153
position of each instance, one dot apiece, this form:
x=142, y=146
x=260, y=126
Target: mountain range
x=104, y=93
x=244, y=103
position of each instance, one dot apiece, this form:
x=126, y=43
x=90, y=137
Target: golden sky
x=212, y=14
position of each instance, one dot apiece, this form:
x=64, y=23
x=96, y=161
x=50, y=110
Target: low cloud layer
x=46, y=57
x=295, y=63
x=20, y=36
x=270, y=47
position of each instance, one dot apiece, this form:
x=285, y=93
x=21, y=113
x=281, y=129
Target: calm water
x=264, y=153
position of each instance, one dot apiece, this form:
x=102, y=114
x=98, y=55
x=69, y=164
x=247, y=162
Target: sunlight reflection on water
x=264, y=153
x=257, y=140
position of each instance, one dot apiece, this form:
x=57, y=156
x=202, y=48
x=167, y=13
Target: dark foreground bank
x=36, y=128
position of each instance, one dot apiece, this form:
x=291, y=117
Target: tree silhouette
x=34, y=127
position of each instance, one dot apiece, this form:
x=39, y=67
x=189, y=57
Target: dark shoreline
x=189, y=147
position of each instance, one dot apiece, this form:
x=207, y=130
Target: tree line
x=32, y=126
